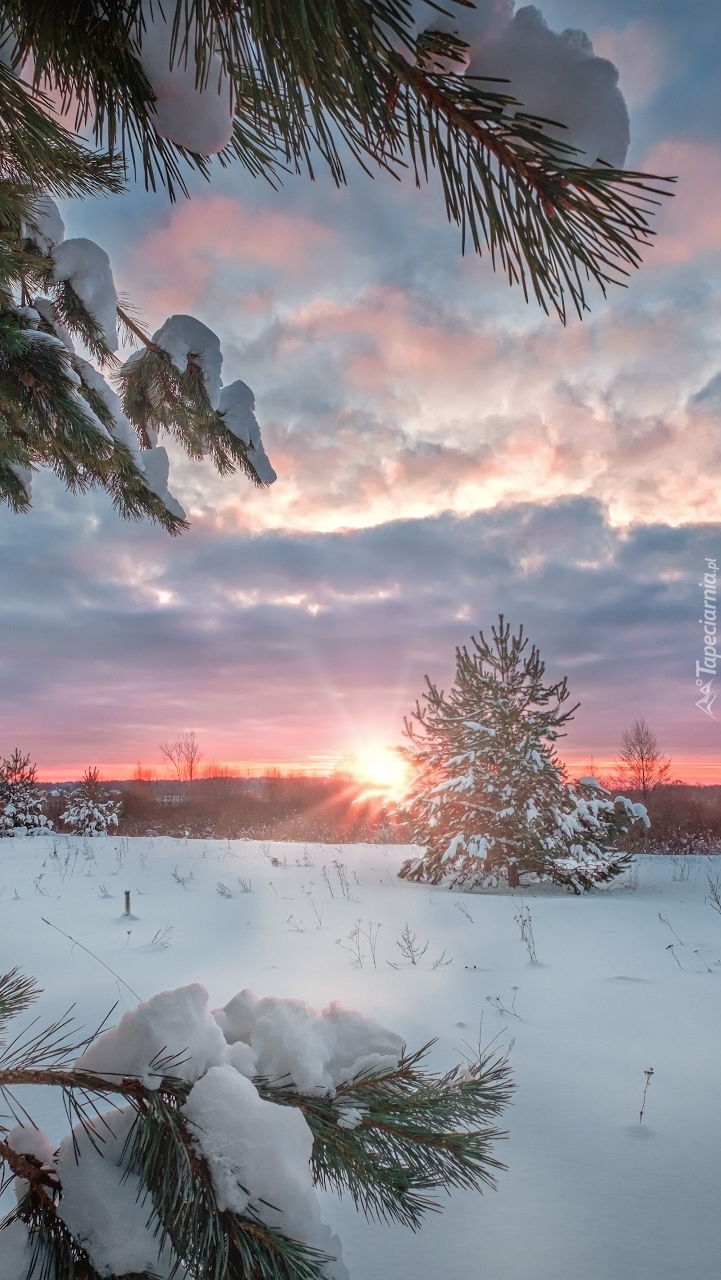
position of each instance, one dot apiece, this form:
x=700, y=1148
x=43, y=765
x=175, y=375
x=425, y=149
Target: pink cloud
x=174, y=266
x=426, y=417
x=690, y=223
x=639, y=53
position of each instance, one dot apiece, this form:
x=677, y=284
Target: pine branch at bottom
x=405, y=1133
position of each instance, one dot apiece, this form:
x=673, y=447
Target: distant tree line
x=206, y=800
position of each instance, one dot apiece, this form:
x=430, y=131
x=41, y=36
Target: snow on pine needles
x=588, y=1190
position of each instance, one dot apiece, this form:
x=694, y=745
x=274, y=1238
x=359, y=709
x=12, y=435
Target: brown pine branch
x=135, y=328
x=129, y=1086
x=31, y=1170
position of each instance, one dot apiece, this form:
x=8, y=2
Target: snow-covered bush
x=226, y=1123
x=489, y=793
x=89, y=812
x=21, y=800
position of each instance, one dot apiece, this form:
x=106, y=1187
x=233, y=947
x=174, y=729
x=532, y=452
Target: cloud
x=284, y=646
x=377, y=408
x=177, y=264
x=443, y=452
x=687, y=226
x=639, y=52
x=394, y=379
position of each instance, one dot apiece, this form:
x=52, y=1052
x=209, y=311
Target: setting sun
x=382, y=767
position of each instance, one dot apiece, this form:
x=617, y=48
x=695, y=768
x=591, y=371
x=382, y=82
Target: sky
x=444, y=452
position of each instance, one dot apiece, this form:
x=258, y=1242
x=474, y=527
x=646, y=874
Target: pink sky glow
x=444, y=452
x=694, y=771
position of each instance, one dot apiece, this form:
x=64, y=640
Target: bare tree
x=184, y=754
x=641, y=766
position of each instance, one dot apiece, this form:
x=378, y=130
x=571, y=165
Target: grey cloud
x=709, y=396
x=290, y=644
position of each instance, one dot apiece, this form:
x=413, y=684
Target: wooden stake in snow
x=127, y=902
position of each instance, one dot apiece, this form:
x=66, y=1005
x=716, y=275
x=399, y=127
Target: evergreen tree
x=169, y=1152
x=276, y=87
x=489, y=791
x=21, y=801
x=89, y=812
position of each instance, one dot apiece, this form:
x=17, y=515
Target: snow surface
x=197, y=118
x=87, y=268
x=588, y=1190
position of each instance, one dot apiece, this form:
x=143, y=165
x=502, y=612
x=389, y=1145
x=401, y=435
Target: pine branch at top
x=312, y=82
x=305, y=83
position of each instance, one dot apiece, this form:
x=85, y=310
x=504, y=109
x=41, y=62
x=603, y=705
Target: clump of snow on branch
x=121, y=428
x=45, y=308
x=47, y=228
x=183, y=336
x=555, y=75
x=102, y=1202
x=87, y=268
x=314, y=1050
x=237, y=405
x=635, y=810
x=259, y=1157
x=156, y=465
x=174, y=1024
x=16, y=1252
x=258, y=1154
x=258, y=1151
x=28, y=1140
x=282, y=1040
x=196, y=116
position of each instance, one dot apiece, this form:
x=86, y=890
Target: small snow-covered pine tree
x=89, y=812
x=21, y=802
x=489, y=790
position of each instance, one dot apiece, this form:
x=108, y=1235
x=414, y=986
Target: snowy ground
x=589, y=1191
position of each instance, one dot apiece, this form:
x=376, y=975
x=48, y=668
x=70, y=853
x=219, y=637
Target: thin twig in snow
x=92, y=953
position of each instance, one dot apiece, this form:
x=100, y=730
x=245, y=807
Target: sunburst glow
x=382, y=767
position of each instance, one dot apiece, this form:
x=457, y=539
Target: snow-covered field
x=625, y=979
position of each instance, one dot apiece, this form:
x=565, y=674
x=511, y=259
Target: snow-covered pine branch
x=489, y=790
x=200, y=1138
x=64, y=413
x=374, y=82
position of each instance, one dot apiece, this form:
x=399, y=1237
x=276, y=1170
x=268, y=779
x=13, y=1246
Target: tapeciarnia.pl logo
x=710, y=656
